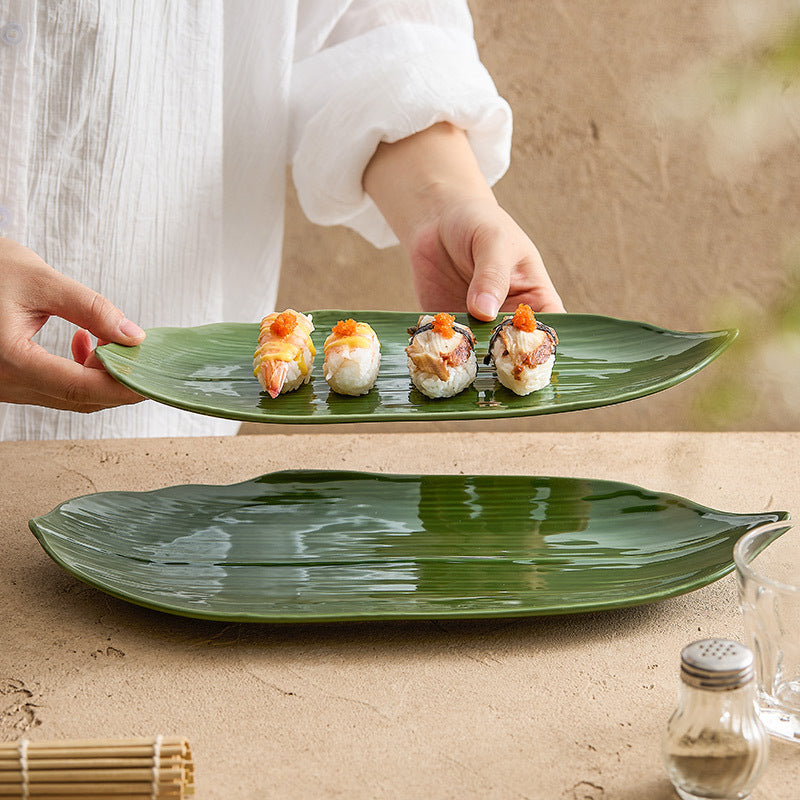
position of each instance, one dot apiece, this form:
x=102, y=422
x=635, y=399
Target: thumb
x=491, y=277
x=86, y=308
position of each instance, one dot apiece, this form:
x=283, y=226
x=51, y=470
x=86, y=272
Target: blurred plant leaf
x=757, y=384
x=759, y=377
x=777, y=63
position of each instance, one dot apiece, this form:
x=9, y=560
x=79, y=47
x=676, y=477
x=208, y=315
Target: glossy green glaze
x=600, y=361
x=318, y=545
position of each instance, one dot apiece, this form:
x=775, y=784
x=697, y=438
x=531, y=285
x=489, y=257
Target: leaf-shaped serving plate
x=600, y=360
x=324, y=545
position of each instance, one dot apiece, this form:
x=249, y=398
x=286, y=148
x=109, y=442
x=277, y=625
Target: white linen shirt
x=143, y=149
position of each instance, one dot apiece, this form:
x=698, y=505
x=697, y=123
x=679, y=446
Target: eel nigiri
x=352, y=357
x=285, y=353
x=441, y=356
x=523, y=351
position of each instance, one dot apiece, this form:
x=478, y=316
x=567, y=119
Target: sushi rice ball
x=441, y=356
x=352, y=357
x=285, y=353
x=523, y=351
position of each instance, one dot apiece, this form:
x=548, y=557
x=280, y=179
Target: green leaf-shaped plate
x=318, y=545
x=600, y=360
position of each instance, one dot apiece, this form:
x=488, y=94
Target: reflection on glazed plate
x=600, y=361
x=303, y=546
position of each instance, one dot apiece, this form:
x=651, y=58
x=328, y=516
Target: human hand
x=30, y=293
x=466, y=252
x=473, y=255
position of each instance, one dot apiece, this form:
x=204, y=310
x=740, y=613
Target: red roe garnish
x=524, y=318
x=345, y=327
x=283, y=324
x=443, y=325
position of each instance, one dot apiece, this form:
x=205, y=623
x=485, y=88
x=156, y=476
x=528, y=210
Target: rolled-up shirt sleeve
x=385, y=71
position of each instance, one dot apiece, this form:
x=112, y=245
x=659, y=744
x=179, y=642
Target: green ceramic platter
x=323, y=545
x=600, y=360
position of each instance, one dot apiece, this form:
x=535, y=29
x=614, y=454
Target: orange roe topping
x=443, y=325
x=524, y=319
x=345, y=327
x=283, y=324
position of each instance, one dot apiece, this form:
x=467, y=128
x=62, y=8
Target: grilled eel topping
x=428, y=326
x=551, y=334
x=440, y=364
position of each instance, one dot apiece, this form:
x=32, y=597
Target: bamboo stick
x=143, y=741
x=167, y=750
x=95, y=791
x=69, y=789
x=147, y=796
x=67, y=763
x=142, y=773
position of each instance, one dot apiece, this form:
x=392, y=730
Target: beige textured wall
x=621, y=198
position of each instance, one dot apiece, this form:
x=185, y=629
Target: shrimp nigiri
x=285, y=352
x=352, y=357
x=441, y=356
x=523, y=351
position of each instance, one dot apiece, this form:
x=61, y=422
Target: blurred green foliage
x=757, y=382
x=776, y=63
x=759, y=377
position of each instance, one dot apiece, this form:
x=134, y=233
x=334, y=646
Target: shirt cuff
x=385, y=85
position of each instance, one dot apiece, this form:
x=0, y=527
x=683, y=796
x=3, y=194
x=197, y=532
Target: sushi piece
x=523, y=351
x=441, y=356
x=352, y=357
x=285, y=353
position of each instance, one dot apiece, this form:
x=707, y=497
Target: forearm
x=413, y=179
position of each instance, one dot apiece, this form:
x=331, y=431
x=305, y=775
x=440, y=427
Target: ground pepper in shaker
x=715, y=746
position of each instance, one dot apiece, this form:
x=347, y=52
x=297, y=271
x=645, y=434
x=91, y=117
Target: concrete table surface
x=560, y=708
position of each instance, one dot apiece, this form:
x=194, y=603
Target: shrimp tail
x=273, y=376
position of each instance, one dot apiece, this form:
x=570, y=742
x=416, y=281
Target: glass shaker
x=715, y=746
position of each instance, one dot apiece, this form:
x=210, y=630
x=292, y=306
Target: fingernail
x=130, y=329
x=487, y=305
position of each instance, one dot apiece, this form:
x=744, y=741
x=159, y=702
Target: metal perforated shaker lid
x=717, y=664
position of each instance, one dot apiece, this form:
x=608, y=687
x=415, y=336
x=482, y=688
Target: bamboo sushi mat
x=158, y=768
